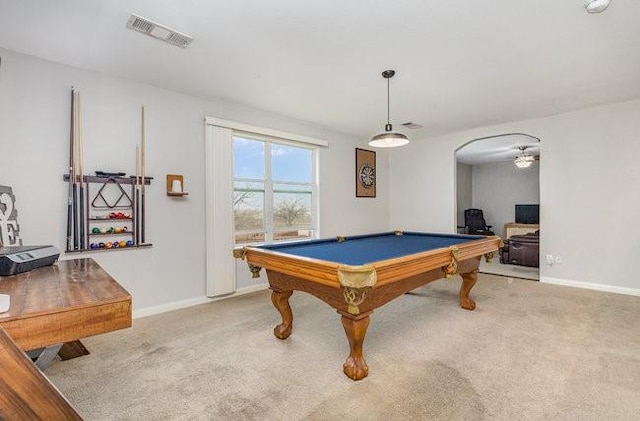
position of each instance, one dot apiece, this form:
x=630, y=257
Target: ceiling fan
x=523, y=160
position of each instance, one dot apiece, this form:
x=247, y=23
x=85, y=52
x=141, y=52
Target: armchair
x=523, y=250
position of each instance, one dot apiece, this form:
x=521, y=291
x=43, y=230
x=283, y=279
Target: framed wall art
x=365, y=173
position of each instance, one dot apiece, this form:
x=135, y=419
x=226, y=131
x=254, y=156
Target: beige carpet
x=514, y=271
x=529, y=351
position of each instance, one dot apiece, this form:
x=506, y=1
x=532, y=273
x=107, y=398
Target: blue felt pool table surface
x=365, y=249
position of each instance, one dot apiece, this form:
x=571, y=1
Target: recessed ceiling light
x=596, y=6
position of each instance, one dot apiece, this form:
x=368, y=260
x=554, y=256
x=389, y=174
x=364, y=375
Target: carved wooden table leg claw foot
x=355, y=367
x=280, y=300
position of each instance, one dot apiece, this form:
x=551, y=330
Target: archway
x=487, y=178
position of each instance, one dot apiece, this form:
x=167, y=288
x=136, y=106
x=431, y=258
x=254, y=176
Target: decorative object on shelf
x=175, y=185
x=388, y=139
x=9, y=228
x=523, y=161
x=365, y=173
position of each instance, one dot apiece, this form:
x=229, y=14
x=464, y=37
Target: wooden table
x=25, y=393
x=62, y=303
x=52, y=305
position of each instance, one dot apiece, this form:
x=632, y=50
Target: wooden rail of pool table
x=390, y=270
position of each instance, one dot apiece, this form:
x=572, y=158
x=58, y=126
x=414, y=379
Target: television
x=527, y=214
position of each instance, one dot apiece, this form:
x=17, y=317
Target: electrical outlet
x=548, y=258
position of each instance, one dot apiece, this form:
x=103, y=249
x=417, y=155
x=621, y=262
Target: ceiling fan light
x=389, y=140
x=596, y=6
x=523, y=161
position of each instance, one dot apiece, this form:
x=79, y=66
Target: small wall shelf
x=175, y=185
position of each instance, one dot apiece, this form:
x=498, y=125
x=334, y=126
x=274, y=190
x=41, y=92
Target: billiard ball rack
x=113, y=214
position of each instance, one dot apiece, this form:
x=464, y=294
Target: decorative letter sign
x=9, y=228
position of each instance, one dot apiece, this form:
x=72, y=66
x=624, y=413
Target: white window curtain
x=221, y=268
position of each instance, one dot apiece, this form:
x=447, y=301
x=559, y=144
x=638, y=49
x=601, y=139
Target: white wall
x=34, y=147
x=497, y=187
x=464, y=190
x=588, y=191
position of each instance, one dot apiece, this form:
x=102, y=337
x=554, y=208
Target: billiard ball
x=108, y=245
x=129, y=243
x=122, y=243
x=95, y=230
x=94, y=245
x=117, y=230
x=101, y=245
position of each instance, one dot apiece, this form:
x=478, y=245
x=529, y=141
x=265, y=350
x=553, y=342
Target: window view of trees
x=273, y=191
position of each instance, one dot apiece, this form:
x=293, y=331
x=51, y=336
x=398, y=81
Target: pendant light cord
x=388, y=103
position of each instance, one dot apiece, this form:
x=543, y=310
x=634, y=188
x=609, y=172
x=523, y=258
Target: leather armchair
x=523, y=250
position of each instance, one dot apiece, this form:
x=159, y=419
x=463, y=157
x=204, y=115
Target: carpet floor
x=528, y=351
x=514, y=271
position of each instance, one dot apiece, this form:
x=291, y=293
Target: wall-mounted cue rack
x=105, y=211
x=113, y=218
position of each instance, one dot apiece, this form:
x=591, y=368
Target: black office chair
x=475, y=223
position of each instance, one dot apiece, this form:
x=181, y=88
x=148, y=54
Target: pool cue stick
x=143, y=179
x=76, y=216
x=136, y=200
x=83, y=219
x=71, y=176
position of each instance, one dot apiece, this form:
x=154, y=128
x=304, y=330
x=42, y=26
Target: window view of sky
x=288, y=163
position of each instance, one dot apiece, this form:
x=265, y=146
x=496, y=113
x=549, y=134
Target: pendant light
x=388, y=139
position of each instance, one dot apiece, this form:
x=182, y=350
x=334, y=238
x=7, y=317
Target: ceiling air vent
x=158, y=31
x=411, y=125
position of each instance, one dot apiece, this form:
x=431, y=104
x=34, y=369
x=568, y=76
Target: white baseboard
x=587, y=285
x=176, y=305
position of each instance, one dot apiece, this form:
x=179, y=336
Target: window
x=274, y=190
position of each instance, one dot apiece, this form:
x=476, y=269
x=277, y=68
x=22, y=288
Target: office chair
x=475, y=223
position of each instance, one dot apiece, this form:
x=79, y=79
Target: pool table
x=357, y=274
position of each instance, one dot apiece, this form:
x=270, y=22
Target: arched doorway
x=500, y=175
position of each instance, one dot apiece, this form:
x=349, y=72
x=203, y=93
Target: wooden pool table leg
x=280, y=300
x=355, y=367
x=468, y=281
